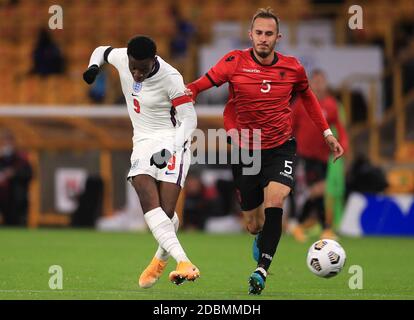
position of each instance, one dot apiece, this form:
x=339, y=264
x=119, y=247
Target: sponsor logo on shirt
x=251, y=70
x=135, y=164
x=230, y=58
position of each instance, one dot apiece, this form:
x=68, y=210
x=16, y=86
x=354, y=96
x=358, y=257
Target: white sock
x=161, y=254
x=163, y=231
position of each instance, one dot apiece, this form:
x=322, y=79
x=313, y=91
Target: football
x=326, y=258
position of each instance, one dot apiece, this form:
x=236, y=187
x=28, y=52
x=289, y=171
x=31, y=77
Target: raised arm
x=197, y=86
x=216, y=76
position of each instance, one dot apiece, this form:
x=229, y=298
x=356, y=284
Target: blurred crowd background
x=65, y=146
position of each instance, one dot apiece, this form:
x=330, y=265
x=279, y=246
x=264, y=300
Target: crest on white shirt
x=137, y=86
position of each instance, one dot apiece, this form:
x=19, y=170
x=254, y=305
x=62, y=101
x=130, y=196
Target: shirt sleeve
x=224, y=69
x=302, y=82
x=313, y=108
x=116, y=56
x=175, y=89
x=98, y=56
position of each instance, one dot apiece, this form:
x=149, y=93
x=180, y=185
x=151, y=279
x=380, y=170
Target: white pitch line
x=215, y=293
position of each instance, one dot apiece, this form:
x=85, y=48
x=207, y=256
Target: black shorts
x=277, y=164
x=315, y=170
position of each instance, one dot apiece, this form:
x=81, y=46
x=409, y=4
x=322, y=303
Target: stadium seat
x=405, y=153
x=400, y=181
x=114, y=22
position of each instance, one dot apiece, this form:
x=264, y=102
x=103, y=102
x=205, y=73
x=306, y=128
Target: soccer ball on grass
x=326, y=258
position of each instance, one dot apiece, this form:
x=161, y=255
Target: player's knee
x=148, y=196
x=148, y=204
x=169, y=210
x=276, y=200
x=254, y=228
x=260, y=222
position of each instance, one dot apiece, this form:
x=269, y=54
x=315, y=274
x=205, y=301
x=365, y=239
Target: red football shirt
x=310, y=143
x=259, y=95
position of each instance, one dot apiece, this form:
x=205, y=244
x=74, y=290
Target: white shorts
x=175, y=171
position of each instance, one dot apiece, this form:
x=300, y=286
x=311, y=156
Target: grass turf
x=106, y=266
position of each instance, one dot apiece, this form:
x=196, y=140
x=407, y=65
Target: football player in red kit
x=261, y=85
x=314, y=153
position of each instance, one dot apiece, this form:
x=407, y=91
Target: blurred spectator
x=15, y=175
x=407, y=58
x=312, y=148
x=90, y=204
x=225, y=215
x=196, y=207
x=403, y=33
x=227, y=200
x=184, y=32
x=359, y=107
x=47, y=57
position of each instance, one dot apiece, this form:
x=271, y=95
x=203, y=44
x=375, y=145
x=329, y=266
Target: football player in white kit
x=163, y=119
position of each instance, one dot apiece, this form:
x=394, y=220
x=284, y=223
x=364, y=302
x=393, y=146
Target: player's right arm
x=98, y=58
x=216, y=76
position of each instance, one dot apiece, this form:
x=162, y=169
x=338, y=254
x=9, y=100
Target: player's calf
x=270, y=236
x=269, y=240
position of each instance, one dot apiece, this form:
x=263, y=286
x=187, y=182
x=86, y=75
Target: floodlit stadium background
x=78, y=141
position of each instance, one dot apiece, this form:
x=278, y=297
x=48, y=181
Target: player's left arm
x=313, y=108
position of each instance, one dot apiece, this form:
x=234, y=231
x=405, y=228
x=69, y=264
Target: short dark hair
x=267, y=14
x=141, y=47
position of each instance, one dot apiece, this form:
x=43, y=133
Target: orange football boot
x=185, y=271
x=152, y=273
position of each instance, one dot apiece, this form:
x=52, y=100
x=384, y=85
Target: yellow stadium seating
x=109, y=22
x=400, y=181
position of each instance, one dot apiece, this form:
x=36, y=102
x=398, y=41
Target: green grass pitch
x=106, y=266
